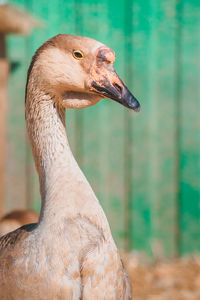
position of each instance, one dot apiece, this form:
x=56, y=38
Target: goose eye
x=77, y=54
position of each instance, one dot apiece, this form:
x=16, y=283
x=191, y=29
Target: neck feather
x=64, y=189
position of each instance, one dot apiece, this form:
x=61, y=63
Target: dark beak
x=110, y=86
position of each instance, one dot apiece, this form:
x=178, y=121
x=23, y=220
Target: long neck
x=64, y=189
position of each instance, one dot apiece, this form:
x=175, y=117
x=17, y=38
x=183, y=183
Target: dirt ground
x=174, y=280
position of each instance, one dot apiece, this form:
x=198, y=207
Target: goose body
x=70, y=252
x=16, y=219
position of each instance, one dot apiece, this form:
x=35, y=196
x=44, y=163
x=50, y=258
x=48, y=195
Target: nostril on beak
x=118, y=87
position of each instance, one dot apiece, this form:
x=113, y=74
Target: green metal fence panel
x=189, y=124
x=160, y=147
x=144, y=168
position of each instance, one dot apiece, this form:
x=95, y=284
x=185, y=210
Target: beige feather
x=70, y=252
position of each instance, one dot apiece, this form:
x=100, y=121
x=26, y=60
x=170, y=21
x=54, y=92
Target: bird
x=16, y=219
x=70, y=253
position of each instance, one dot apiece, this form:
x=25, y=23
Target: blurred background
x=144, y=168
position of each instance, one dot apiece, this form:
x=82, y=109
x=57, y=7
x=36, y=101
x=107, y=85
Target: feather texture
x=70, y=252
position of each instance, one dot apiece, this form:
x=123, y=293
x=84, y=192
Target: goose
x=70, y=252
x=16, y=219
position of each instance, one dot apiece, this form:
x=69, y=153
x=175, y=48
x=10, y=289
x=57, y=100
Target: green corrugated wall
x=145, y=168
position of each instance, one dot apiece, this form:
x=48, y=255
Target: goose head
x=78, y=72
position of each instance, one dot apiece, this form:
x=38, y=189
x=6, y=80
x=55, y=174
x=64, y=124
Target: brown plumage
x=16, y=219
x=70, y=253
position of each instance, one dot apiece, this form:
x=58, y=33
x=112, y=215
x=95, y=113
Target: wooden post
x=4, y=69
